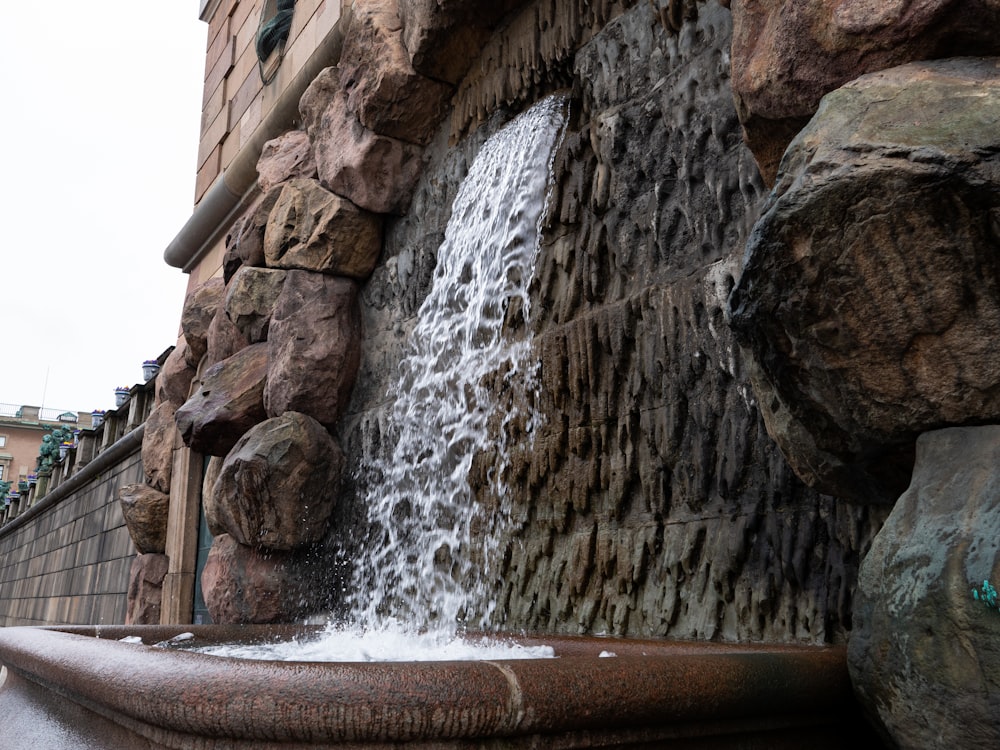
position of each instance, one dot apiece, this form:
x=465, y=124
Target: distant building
x=21, y=432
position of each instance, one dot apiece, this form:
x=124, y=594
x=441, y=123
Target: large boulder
x=227, y=403
x=196, y=316
x=787, y=55
x=373, y=171
x=314, y=347
x=245, y=241
x=224, y=339
x=250, y=299
x=173, y=381
x=145, y=510
x=312, y=229
x=284, y=158
x=869, y=301
x=214, y=515
x=244, y=585
x=145, y=589
x=383, y=89
x=278, y=485
x=159, y=435
x=443, y=37
x=924, y=653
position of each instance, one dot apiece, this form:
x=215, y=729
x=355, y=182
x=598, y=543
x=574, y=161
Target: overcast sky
x=99, y=132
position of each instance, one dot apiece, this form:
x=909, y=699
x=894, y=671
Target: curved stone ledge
x=779, y=696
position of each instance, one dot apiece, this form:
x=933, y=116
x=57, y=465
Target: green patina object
x=48, y=451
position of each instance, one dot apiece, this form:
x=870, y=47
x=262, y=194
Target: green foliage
x=987, y=595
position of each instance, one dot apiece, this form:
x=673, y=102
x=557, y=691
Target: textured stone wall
x=70, y=563
x=652, y=501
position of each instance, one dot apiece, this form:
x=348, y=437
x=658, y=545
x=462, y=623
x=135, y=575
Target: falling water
x=418, y=581
x=422, y=505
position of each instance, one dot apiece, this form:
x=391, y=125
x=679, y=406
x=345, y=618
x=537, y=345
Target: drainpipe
x=234, y=189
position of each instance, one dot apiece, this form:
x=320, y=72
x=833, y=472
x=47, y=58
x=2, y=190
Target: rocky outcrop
x=312, y=229
x=145, y=510
x=196, y=317
x=278, y=485
x=923, y=654
x=158, y=447
x=227, y=403
x=145, y=590
x=387, y=94
x=250, y=298
x=443, y=38
x=869, y=301
x=372, y=171
x=284, y=158
x=314, y=347
x=224, y=339
x=787, y=56
x=244, y=585
x=245, y=241
x=173, y=381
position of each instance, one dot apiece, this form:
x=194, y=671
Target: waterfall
x=419, y=567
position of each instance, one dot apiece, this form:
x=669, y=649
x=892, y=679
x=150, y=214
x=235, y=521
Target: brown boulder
x=375, y=172
x=245, y=241
x=199, y=309
x=158, y=438
x=312, y=229
x=870, y=296
x=244, y=585
x=787, y=55
x=284, y=158
x=923, y=653
x=145, y=510
x=213, y=513
x=250, y=299
x=443, y=37
x=314, y=347
x=145, y=589
x=383, y=89
x=173, y=381
x=227, y=403
x=278, y=485
x=224, y=338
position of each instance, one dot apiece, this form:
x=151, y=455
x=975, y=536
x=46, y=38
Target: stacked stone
x=869, y=309
x=279, y=335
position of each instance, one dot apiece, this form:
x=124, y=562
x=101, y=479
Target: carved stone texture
x=787, y=55
x=158, y=447
x=250, y=299
x=173, y=382
x=145, y=589
x=278, y=486
x=443, y=37
x=145, y=510
x=199, y=309
x=244, y=585
x=245, y=241
x=924, y=655
x=312, y=229
x=373, y=171
x=212, y=512
x=383, y=89
x=224, y=338
x=314, y=347
x=870, y=297
x=227, y=403
x=284, y=158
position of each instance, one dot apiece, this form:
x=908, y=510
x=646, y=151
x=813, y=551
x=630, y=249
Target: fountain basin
x=72, y=684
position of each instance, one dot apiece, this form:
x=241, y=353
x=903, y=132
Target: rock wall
x=652, y=502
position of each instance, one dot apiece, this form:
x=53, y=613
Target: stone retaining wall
x=69, y=562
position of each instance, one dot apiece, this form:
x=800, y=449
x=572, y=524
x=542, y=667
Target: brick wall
x=235, y=100
x=69, y=564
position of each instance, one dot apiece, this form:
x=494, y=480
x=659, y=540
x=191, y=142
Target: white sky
x=100, y=129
